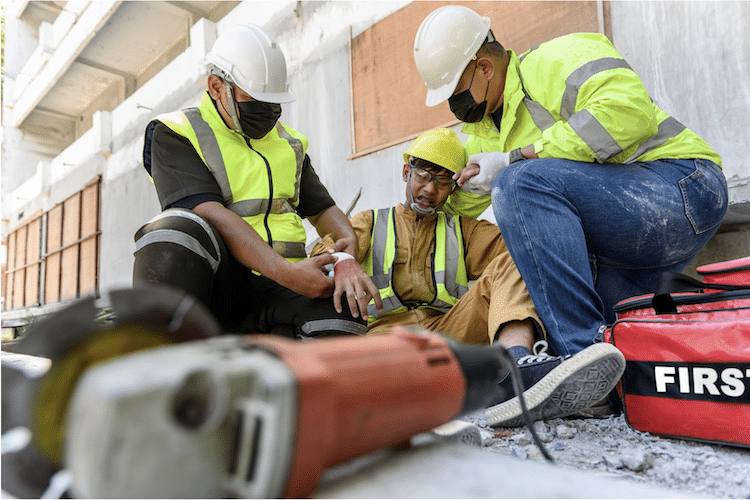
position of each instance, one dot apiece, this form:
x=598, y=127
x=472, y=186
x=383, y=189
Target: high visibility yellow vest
x=448, y=266
x=547, y=97
x=259, y=178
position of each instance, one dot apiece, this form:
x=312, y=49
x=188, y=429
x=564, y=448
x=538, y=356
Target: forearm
x=243, y=242
x=332, y=221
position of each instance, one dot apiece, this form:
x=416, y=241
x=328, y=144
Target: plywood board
x=89, y=265
x=90, y=210
x=11, y=251
x=69, y=273
x=54, y=229
x=19, y=278
x=71, y=219
x=33, y=244
x=32, y=286
x=52, y=279
x=9, y=281
x=388, y=95
x=33, y=258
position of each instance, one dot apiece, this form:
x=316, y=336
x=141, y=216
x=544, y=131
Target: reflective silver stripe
x=188, y=214
x=598, y=139
x=379, y=239
x=593, y=133
x=211, y=151
x=337, y=325
x=580, y=76
x=543, y=119
x=290, y=249
x=440, y=305
x=249, y=208
x=448, y=277
x=668, y=128
x=389, y=304
x=178, y=238
x=454, y=289
x=299, y=154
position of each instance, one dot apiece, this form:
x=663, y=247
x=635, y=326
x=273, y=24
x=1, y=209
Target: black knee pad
x=181, y=249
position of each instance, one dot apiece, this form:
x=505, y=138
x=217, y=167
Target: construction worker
x=234, y=183
x=595, y=189
x=422, y=258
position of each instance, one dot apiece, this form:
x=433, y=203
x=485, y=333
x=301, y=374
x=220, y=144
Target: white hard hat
x=446, y=42
x=250, y=58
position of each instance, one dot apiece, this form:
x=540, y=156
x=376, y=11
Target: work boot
x=558, y=386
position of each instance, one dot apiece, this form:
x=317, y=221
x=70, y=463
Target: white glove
x=489, y=166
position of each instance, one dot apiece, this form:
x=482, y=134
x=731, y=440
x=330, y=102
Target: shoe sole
x=577, y=383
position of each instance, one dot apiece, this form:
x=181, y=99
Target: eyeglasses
x=423, y=177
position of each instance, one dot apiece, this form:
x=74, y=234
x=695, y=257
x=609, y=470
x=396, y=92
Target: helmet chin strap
x=414, y=205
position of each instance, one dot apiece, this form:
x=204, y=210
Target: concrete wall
x=692, y=56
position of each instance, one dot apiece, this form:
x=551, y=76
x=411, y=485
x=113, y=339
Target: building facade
x=82, y=78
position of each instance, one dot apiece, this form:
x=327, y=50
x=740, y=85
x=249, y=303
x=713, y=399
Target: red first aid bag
x=731, y=272
x=687, y=357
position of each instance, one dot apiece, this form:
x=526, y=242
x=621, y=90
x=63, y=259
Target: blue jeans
x=585, y=236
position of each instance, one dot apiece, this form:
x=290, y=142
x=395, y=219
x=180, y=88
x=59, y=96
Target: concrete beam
x=71, y=46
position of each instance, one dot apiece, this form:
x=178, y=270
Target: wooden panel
x=3, y=276
x=54, y=229
x=69, y=258
x=33, y=256
x=87, y=279
x=388, y=95
x=52, y=279
x=90, y=210
x=71, y=219
x=11, y=258
x=52, y=267
x=69, y=273
x=19, y=275
x=89, y=256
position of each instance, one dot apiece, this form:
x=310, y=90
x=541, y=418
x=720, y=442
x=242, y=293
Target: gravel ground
x=609, y=446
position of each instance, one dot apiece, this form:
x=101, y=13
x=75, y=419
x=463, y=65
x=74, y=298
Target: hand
x=351, y=279
x=308, y=277
x=481, y=170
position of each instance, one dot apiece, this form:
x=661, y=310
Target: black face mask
x=465, y=108
x=258, y=118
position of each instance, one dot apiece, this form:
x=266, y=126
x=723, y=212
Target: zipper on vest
x=270, y=193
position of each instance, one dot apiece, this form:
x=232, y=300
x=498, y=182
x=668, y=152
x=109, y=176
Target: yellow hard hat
x=441, y=147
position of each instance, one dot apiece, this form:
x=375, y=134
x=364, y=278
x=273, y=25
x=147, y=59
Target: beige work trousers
x=497, y=297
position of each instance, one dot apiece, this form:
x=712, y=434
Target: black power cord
x=515, y=374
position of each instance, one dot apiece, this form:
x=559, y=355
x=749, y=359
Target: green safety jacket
x=448, y=264
x=575, y=97
x=259, y=178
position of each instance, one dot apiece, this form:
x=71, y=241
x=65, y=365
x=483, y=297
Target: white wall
x=694, y=58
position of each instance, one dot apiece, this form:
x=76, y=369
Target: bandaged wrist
x=340, y=257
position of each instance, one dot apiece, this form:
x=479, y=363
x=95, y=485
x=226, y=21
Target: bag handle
x=672, y=282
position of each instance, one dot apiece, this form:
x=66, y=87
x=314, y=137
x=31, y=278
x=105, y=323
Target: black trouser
x=181, y=249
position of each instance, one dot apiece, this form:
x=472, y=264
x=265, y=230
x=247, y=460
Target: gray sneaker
x=559, y=386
